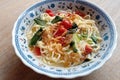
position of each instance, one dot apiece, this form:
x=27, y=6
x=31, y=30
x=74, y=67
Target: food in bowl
x=64, y=38
x=104, y=24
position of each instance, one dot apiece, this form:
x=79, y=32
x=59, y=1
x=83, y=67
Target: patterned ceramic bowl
x=106, y=27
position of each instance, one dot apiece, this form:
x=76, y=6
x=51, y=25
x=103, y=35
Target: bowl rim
x=64, y=76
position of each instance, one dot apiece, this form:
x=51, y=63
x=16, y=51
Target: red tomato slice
x=80, y=13
x=61, y=40
x=88, y=49
x=36, y=50
x=68, y=14
x=60, y=31
x=49, y=12
x=67, y=24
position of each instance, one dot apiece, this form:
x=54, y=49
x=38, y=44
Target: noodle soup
x=64, y=38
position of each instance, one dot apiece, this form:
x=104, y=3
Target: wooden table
x=11, y=68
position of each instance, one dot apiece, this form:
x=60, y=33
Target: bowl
x=105, y=25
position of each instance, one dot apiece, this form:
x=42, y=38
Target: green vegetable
x=67, y=50
x=84, y=35
x=94, y=39
x=36, y=37
x=56, y=19
x=40, y=21
x=94, y=46
x=86, y=60
x=74, y=26
x=90, y=41
x=73, y=29
x=75, y=49
x=80, y=37
x=76, y=38
x=72, y=45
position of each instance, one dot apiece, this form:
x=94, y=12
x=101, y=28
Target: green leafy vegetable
x=84, y=35
x=56, y=19
x=74, y=42
x=90, y=41
x=40, y=21
x=94, y=46
x=76, y=38
x=74, y=26
x=94, y=39
x=86, y=60
x=72, y=45
x=67, y=50
x=75, y=49
x=73, y=29
x=36, y=37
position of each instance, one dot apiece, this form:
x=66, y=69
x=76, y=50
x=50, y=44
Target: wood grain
x=11, y=68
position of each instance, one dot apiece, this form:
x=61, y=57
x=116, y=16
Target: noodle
x=67, y=49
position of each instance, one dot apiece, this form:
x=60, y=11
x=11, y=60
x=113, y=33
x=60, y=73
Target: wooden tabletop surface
x=11, y=67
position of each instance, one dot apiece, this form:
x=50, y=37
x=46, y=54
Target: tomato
x=68, y=14
x=48, y=10
x=67, y=24
x=36, y=50
x=60, y=31
x=61, y=40
x=80, y=13
x=50, y=13
x=88, y=49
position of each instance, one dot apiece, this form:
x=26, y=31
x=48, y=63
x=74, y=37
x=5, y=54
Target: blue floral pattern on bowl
x=104, y=23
